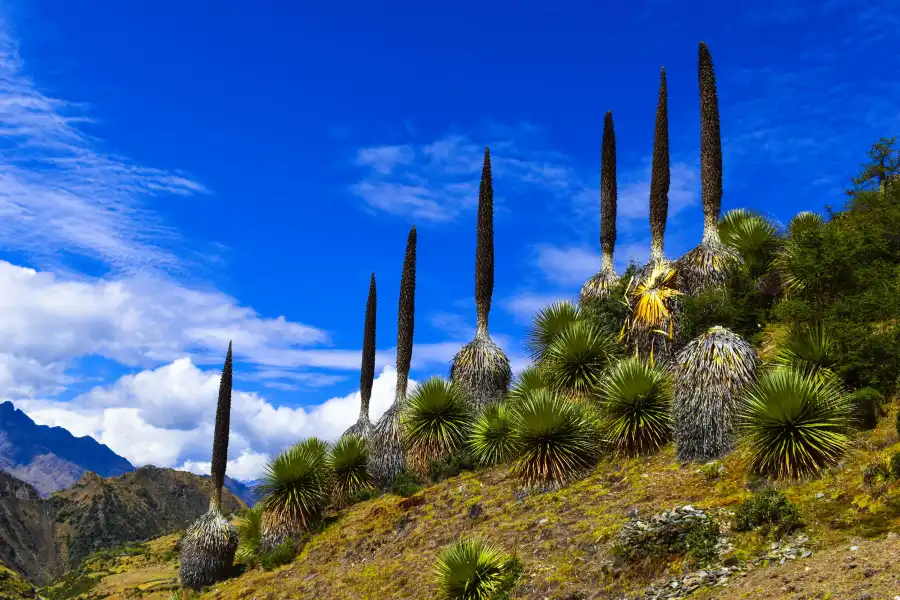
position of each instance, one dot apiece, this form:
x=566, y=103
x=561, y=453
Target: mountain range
x=51, y=458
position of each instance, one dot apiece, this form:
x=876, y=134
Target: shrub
x=249, y=528
x=555, y=437
x=769, y=510
x=282, y=554
x=491, y=439
x=451, y=465
x=406, y=484
x=711, y=470
x=573, y=363
x=795, y=423
x=435, y=422
x=470, y=569
x=349, y=462
x=635, y=400
x=296, y=487
x=680, y=531
x=878, y=473
x=895, y=466
x=866, y=405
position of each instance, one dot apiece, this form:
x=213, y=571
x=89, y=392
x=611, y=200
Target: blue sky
x=185, y=173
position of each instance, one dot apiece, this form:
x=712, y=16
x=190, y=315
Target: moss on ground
x=377, y=549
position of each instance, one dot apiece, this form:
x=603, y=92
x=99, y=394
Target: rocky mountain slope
x=51, y=458
x=42, y=538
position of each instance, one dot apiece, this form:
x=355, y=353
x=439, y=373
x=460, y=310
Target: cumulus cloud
x=166, y=417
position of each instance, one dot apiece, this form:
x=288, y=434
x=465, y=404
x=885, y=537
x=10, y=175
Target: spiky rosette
x=207, y=550
x=711, y=374
x=491, y=439
x=435, y=421
x=598, y=286
x=530, y=379
x=297, y=486
x=482, y=371
x=708, y=264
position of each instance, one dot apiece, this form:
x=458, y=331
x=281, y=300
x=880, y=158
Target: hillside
x=13, y=587
x=44, y=537
x=386, y=547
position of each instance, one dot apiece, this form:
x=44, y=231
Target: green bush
x=363, y=495
x=867, y=404
x=450, y=466
x=768, y=510
x=700, y=542
x=406, y=484
x=282, y=554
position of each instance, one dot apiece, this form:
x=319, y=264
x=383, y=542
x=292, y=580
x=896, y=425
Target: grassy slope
x=378, y=550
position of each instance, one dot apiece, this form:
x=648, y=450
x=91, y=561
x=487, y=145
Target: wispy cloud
x=60, y=192
x=438, y=180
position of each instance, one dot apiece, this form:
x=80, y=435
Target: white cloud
x=59, y=192
x=166, y=417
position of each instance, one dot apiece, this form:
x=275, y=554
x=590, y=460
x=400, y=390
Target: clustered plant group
x=775, y=341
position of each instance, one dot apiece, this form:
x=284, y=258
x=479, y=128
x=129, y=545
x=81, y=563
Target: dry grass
x=379, y=549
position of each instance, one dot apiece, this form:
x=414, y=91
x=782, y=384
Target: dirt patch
x=870, y=572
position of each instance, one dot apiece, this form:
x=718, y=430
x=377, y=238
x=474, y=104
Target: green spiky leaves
x=712, y=373
x=296, y=485
x=528, y=380
x=635, y=404
x=752, y=236
x=348, y=461
x=575, y=360
x=795, y=424
x=548, y=324
x=491, y=438
x=434, y=421
x=249, y=529
x=470, y=569
x=556, y=439
x=809, y=349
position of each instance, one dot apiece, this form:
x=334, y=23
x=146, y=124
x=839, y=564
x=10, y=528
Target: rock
x=820, y=495
x=854, y=548
x=893, y=536
x=475, y=511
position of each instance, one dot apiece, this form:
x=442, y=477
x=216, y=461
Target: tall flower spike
x=659, y=177
x=598, y=286
x=707, y=265
x=387, y=458
x=210, y=543
x=363, y=426
x=480, y=368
